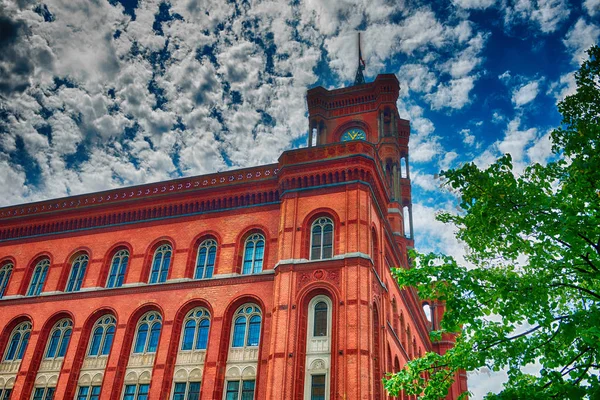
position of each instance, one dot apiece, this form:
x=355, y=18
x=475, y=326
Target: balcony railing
x=243, y=354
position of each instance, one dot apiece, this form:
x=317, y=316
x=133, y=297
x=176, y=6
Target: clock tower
x=368, y=112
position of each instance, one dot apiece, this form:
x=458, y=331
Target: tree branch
x=593, y=294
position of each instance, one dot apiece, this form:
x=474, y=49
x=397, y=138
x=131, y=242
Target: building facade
x=270, y=282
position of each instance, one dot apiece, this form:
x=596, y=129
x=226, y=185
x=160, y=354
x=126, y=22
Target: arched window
x=254, y=251
x=59, y=339
x=246, y=326
x=77, y=273
x=88, y=393
x=205, y=261
x=118, y=267
x=321, y=239
x=195, y=330
x=5, y=272
x=38, y=278
x=17, y=344
x=320, y=319
x=103, y=334
x=160, y=264
x=148, y=333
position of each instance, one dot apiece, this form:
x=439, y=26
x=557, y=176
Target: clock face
x=354, y=134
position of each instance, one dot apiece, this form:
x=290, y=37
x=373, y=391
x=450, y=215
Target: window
x=118, y=267
x=18, y=342
x=77, y=273
x=321, y=239
x=317, y=387
x=186, y=391
x=38, y=278
x=88, y=393
x=136, y=392
x=44, y=393
x=59, y=339
x=5, y=272
x=148, y=333
x=246, y=330
x=195, y=330
x=103, y=334
x=240, y=390
x=5, y=394
x=320, y=319
x=254, y=251
x=205, y=262
x=160, y=264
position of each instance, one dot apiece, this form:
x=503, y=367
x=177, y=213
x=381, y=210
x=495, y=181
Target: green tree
x=533, y=295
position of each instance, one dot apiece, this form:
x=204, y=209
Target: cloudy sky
x=96, y=94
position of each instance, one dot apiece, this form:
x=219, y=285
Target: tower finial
x=360, y=79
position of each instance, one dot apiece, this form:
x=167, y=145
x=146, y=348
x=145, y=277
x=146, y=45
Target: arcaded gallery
x=271, y=282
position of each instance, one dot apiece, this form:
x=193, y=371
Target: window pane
x=239, y=332
x=41, y=282
x=233, y=388
x=179, y=392
x=258, y=257
x=320, y=321
x=12, y=348
x=188, y=335
x=73, y=277
x=83, y=392
x=95, y=393
x=200, y=264
x=248, y=390
x=317, y=387
x=129, y=392
x=112, y=277
x=254, y=331
x=164, y=271
x=202, y=340
x=108, y=339
x=23, y=346
x=96, y=339
x=193, y=391
x=6, y=394
x=154, y=335
x=210, y=264
x=53, y=346
x=34, y=280
x=143, y=392
x=49, y=393
x=248, y=258
x=140, y=341
x=122, y=270
x=156, y=268
x=316, y=243
x=64, y=343
x=38, y=394
x=4, y=278
x=81, y=275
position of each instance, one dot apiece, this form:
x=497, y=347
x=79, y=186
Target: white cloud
x=547, y=15
x=592, y=7
x=541, y=149
x=474, y=4
x=454, y=94
x=468, y=138
x=580, y=38
x=525, y=93
x=564, y=87
x=516, y=140
x=417, y=77
x=446, y=161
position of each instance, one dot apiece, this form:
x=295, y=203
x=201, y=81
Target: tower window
x=321, y=239
x=317, y=387
x=320, y=322
x=5, y=272
x=18, y=341
x=77, y=273
x=160, y=264
x=39, y=278
x=103, y=334
x=246, y=331
x=118, y=268
x=205, y=262
x=148, y=333
x=254, y=252
x=59, y=339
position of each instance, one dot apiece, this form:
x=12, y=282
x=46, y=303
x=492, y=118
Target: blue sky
x=106, y=93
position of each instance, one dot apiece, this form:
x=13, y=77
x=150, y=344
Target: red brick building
x=270, y=282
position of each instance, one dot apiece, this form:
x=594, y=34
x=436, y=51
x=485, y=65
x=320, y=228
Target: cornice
x=139, y=287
